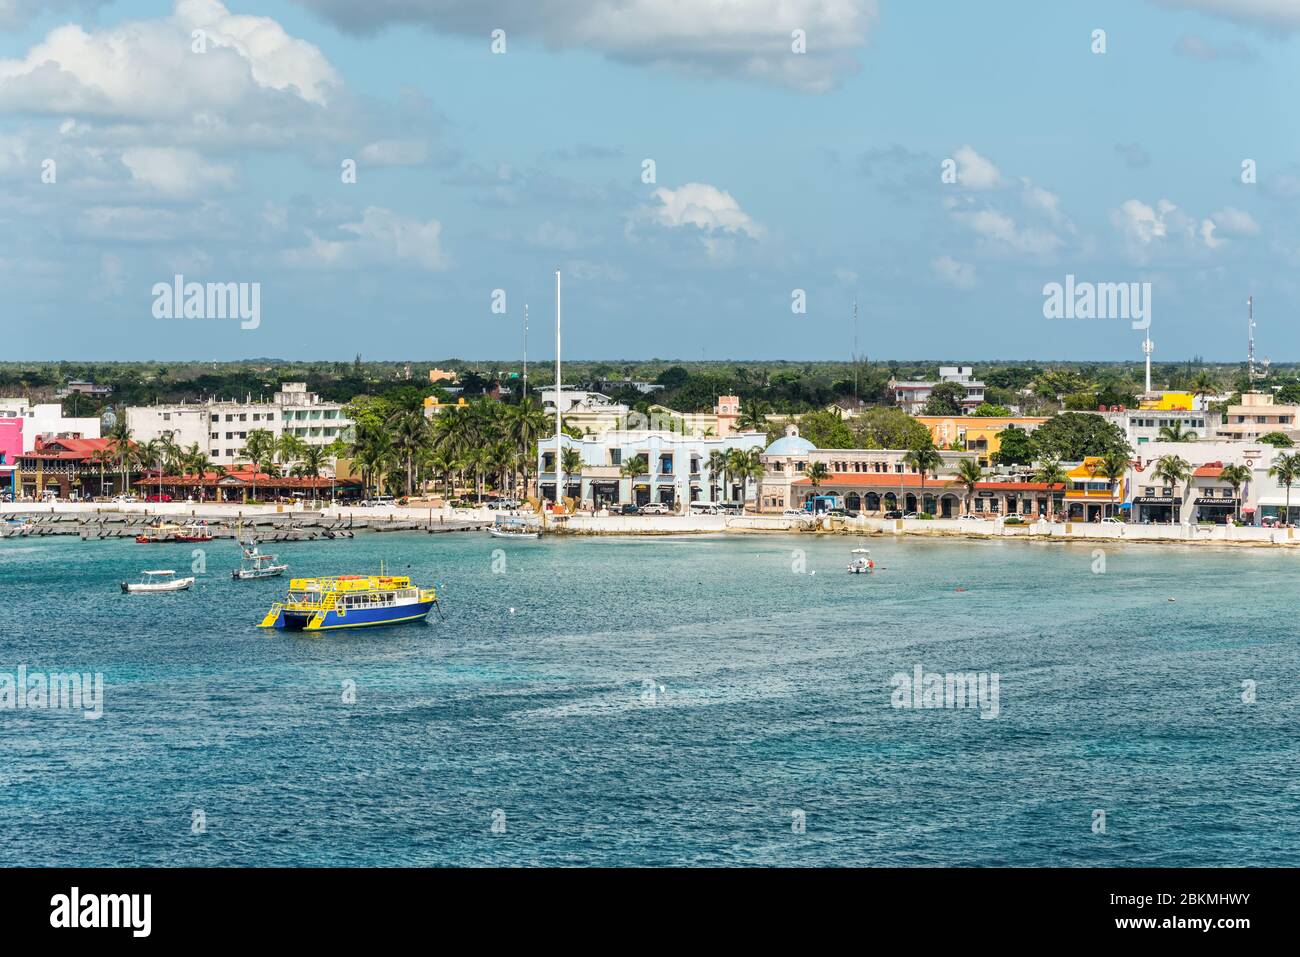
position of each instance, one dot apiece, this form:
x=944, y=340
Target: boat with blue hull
x=350, y=601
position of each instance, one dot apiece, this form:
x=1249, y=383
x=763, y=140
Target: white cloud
x=959, y=274
x=975, y=171
x=712, y=37
x=1235, y=221
x=176, y=172
x=705, y=207
x=1281, y=14
x=1001, y=230
x=1142, y=224
x=378, y=238
x=1165, y=226
x=394, y=152
x=252, y=72
x=15, y=14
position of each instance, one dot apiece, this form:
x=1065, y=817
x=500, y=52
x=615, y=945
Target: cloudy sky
x=695, y=167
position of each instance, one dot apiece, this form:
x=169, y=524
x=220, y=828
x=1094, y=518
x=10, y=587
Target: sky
x=715, y=180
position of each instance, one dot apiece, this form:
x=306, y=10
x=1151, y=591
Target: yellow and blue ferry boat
x=350, y=601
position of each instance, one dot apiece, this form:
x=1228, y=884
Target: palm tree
x=570, y=463
x=753, y=416
x=818, y=473
x=1236, y=475
x=1172, y=470
x=636, y=466
x=259, y=444
x=121, y=435
x=969, y=474
x=411, y=432
x=923, y=458
x=1203, y=384
x=1051, y=472
x=1286, y=469
x=717, y=465
x=753, y=471
x=102, y=457
x=1113, y=467
x=736, y=465
x=1174, y=432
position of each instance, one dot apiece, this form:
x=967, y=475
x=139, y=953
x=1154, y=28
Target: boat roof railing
x=162, y=571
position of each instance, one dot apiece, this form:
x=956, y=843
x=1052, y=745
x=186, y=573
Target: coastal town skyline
x=711, y=189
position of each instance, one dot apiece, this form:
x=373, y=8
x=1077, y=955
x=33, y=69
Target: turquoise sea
x=661, y=701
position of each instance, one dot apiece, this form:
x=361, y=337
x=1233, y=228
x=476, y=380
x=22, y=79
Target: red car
x=158, y=498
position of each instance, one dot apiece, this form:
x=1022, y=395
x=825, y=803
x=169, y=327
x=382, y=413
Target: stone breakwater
x=274, y=523
x=223, y=522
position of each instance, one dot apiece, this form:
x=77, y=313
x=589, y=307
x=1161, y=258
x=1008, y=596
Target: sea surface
x=661, y=701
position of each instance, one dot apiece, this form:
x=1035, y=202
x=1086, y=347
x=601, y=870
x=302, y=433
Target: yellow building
x=975, y=433
x=1167, y=401
x=432, y=406
x=1090, y=495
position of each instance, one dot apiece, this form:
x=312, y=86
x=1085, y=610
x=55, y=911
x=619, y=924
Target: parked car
x=893, y=513
x=655, y=508
x=703, y=508
x=157, y=497
x=1111, y=521
x=627, y=508
x=378, y=500
x=796, y=513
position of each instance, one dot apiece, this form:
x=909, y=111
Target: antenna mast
x=1250, y=338
x=855, y=350
x=525, y=350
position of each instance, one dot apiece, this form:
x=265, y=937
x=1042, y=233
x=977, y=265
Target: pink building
x=11, y=446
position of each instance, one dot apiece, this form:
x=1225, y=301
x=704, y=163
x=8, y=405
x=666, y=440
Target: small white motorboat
x=862, y=563
x=159, y=580
x=257, y=564
x=508, y=527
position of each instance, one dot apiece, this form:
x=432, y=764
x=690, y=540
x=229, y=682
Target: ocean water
x=662, y=701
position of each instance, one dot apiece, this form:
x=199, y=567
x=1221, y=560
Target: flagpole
x=558, y=494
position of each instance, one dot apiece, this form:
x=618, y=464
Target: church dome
x=790, y=443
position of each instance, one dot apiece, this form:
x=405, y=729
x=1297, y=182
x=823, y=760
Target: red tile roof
x=68, y=449
x=1209, y=470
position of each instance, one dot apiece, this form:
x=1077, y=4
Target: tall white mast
x=525, y=350
x=855, y=349
x=1250, y=338
x=558, y=494
x=1146, y=348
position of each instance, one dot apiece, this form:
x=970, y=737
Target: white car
x=654, y=508
x=1111, y=521
x=796, y=513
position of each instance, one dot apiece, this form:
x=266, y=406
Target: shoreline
x=93, y=521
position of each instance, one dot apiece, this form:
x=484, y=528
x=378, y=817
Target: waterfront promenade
x=69, y=514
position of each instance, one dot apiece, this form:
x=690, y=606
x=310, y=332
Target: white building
x=677, y=468
x=221, y=427
x=46, y=420
x=912, y=396
x=1204, y=497
x=1141, y=426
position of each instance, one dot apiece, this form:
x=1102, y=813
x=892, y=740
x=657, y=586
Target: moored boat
x=166, y=532
x=350, y=601
x=862, y=563
x=158, y=580
x=509, y=526
x=256, y=564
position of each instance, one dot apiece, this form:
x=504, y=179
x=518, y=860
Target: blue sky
x=774, y=172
